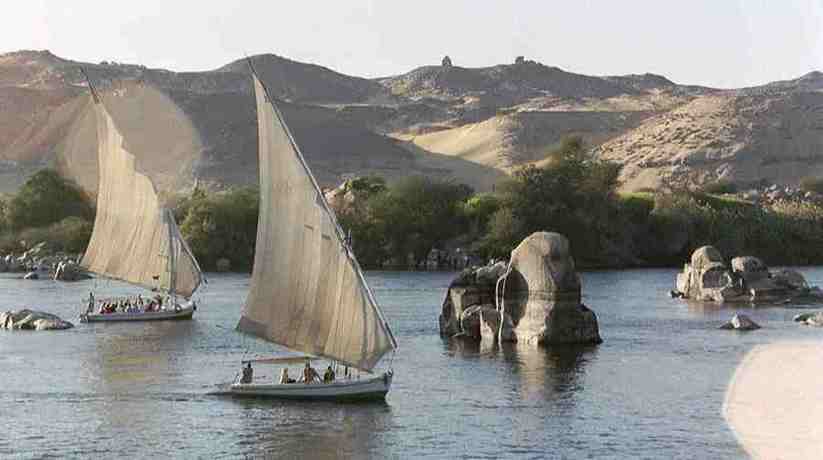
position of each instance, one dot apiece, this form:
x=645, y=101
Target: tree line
x=397, y=224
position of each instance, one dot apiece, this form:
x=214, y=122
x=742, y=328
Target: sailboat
x=307, y=291
x=135, y=239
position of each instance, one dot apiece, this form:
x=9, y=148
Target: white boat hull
x=340, y=390
x=184, y=312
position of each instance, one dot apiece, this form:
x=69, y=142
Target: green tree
x=222, y=225
x=573, y=195
x=47, y=198
x=417, y=214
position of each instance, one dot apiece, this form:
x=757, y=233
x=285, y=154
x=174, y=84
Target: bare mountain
x=45, y=119
x=471, y=124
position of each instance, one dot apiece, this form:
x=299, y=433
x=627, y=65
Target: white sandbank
x=774, y=403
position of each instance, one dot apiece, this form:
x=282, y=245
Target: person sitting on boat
x=139, y=301
x=248, y=373
x=328, y=377
x=284, y=377
x=309, y=374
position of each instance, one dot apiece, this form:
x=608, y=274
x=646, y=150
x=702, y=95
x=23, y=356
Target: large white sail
x=307, y=290
x=134, y=238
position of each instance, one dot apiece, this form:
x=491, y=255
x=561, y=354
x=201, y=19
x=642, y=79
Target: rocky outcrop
x=810, y=319
x=39, y=263
x=538, y=298
x=32, y=320
x=708, y=278
x=740, y=323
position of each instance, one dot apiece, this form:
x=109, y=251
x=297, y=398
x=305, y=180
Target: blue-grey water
x=653, y=389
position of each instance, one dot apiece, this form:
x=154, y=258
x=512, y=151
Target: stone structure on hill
x=708, y=278
x=532, y=300
x=446, y=62
x=32, y=320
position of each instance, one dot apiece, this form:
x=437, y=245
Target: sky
x=718, y=43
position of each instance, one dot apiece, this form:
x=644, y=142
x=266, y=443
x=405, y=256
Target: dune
x=774, y=403
x=511, y=140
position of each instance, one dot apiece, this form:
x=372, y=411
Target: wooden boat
x=184, y=311
x=374, y=387
x=307, y=292
x=135, y=238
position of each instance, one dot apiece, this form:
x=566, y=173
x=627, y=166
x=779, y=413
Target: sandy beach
x=774, y=403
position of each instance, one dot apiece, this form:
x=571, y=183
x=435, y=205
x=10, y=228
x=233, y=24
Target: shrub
x=720, y=187
x=44, y=199
x=222, y=225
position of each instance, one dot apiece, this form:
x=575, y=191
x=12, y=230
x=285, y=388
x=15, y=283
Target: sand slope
x=774, y=403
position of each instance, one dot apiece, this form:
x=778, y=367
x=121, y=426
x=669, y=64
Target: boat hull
x=373, y=388
x=185, y=312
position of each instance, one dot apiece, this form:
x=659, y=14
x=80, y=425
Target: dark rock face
x=534, y=300
x=708, y=278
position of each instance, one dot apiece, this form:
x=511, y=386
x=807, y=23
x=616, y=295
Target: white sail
x=134, y=238
x=307, y=291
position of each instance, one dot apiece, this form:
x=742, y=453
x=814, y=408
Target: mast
x=172, y=256
x=341, y=236
x=93, y=91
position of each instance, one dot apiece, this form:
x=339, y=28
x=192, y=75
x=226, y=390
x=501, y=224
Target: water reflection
x=314, y=429
x=139, y=355
x=540, y=373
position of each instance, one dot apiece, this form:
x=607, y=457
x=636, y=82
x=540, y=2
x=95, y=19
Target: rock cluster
x=708, y=278
x=32, y=320
x=37, y=263
x=777, y=193
x=534, y=299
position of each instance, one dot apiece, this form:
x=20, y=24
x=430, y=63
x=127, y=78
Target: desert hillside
x=473, y=125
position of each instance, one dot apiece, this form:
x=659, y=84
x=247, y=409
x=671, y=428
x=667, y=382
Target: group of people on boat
x=127, y=305
x=310, y=375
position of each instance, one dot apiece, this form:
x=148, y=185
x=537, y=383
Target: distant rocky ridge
x=471, y=124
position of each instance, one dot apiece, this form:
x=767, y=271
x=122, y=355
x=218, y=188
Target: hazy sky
x=721, y=43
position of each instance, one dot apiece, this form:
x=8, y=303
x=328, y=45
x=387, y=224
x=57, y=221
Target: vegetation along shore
x=419, y=222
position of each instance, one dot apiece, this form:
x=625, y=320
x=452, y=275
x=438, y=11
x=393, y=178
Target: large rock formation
x=708, y=278
x=32, y=320
x=538, y=298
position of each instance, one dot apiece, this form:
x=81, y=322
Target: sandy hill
x=470, y=124
x=744, y=137
x=506, y=141
x=340, y=121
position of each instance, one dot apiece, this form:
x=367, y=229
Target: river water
x=653, y=389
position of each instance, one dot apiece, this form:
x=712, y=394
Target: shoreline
x=774, y=402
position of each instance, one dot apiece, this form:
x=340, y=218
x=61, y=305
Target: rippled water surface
x=653, y=389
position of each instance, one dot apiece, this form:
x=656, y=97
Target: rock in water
x=708, y=278
x=811, y=319
x=542, y=294
x=802, y=317
x=539, y=293
x=741, y=323
x=32, y=320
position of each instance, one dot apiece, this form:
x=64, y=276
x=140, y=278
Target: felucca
x=307, y=291
x=134, y=238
